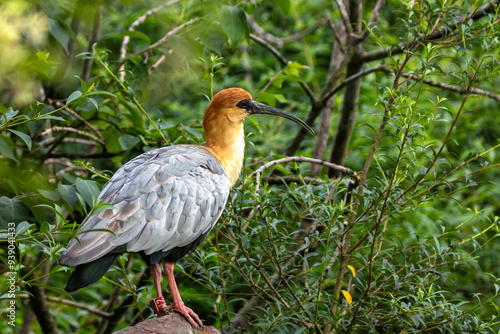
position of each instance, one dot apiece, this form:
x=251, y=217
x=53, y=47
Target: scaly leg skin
x=156, y=275
x=178, y=304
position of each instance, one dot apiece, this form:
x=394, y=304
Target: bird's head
x=230, y=106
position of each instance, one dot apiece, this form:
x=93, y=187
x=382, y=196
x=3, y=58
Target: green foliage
x=408, y=244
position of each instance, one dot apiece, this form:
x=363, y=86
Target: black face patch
x=245, y=104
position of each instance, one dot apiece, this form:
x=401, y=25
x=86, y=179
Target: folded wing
x=162, y=199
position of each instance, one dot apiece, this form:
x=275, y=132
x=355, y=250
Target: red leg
x=178, y=304
x=156, y=274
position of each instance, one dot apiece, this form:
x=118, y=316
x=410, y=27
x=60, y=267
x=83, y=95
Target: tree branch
x=280, y=41
x=345, y=16
x=373, y=18
x=353, y=77
x=165, y=38
x=283, y=62
x=443, y=85
x=94, y=38
x=438, y=34
x=38, y=299
x=133, y=26
x=59, y=300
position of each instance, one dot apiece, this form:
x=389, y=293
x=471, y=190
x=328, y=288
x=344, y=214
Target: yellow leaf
x=352, y=269
x=347, y=296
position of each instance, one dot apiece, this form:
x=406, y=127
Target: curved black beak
x=261, y=108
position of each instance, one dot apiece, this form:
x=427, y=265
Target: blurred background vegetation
x=403, y=93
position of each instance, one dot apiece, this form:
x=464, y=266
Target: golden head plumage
x=223, y=126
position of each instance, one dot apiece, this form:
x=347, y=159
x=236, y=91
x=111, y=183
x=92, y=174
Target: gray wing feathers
x=162, y=199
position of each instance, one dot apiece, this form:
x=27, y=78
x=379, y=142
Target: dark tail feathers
x=89, y=273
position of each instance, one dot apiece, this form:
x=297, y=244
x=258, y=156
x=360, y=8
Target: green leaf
x=82, y=83
x=102, y=207
x=32, y=204
x=99, y=230
x=44, y=227
x=101, y=92
x=211, y=37
x=194, y=132
x=23, y=226
x=234, y=23
x=8, y=115
x=56, y=118
x=94, y=102
x=6, y=150
x=128, y=141
x=267, y=98
x=52, y=195
x=74, y=96
x=12, y=210
x=136, y=34
x=42, y=65
x=279, y=81
x=23, y=136
x=68, y=193
x=88, y=189
x=284, y=5
x=60, y=33
x=248, y=7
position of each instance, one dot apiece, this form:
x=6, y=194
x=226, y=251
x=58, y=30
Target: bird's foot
x=187, y=313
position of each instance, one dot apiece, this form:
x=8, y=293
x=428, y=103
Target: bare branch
x=94, y=38
x=38, y=298
x=157, y=63
x=353, y=77
x=290, y=179
x=272, y=80
x=280, y=41
x=283, y=62
x=68, y=129
x=438, y=34
x=322, y=135
x=126, y=39
x=373, y=18
x=460, y=90
x=341, y=169
x=77, y=116
x=60, y=300
x=165, y=38
x=67, y=140
x=345, y=16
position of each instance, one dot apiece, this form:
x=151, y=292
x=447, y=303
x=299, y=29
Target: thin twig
x=373, y=18
x=165, y=38
x=352, y=78
x=283, y=62
x=133, y=98
x=73, y=113
x=133, y=26
x=438, y=34
x=73, y=130
x=460, y=90
x=345, y=16
x=272, y=80
x=290, y=179
x=59, y=300
x=94, y=38
x=280, y=41
x=259, y=171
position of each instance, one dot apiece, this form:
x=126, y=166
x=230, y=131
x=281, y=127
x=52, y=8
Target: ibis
x=166, y=201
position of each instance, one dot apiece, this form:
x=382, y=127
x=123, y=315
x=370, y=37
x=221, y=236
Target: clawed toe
x=163, y=312
x=190, y=316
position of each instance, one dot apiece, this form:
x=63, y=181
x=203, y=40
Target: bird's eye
x=243, y=104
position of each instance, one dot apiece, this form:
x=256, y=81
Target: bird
x=166, y=201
